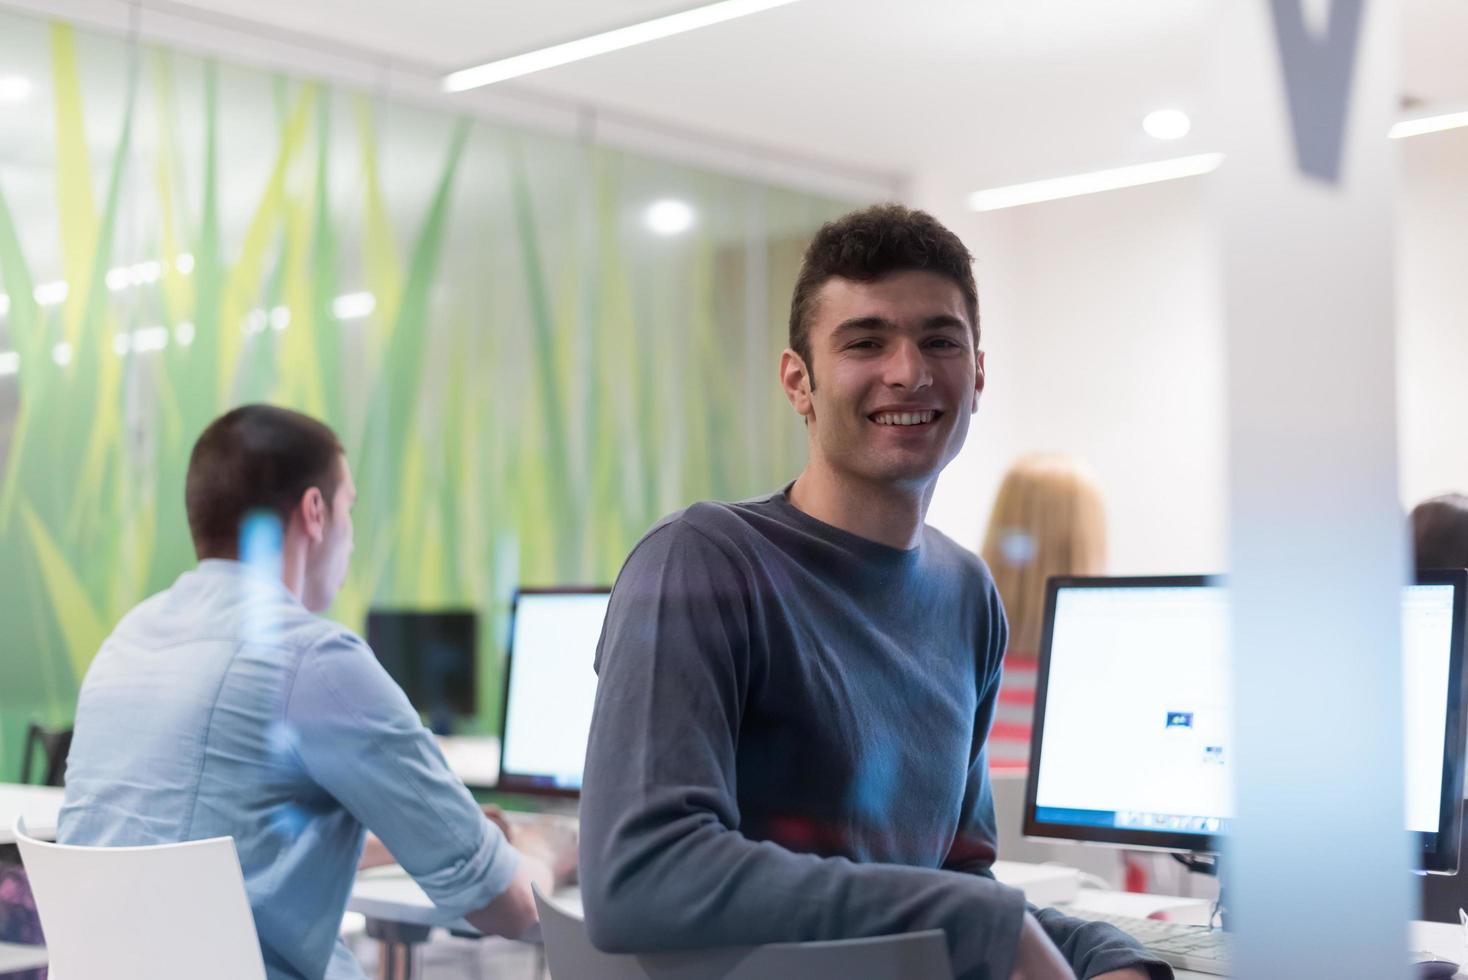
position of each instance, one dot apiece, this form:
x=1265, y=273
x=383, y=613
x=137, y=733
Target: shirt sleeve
x=663, y=862
x=361, y=741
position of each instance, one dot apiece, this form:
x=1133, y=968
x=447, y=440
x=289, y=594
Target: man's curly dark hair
x=866, y=245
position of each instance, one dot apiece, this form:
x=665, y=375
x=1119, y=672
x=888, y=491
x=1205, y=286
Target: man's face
x=895, y=377
x=327, y=558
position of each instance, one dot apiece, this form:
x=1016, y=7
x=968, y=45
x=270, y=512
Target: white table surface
x=474, y=758
x=40, y=805
x=1441, y=938
x=388, y=893
x=14, y=958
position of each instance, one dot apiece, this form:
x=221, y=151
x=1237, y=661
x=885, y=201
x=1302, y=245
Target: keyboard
x=1197, y=948
x=1186, y=947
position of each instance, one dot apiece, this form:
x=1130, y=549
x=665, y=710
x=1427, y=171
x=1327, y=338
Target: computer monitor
x=550, y=687
x=433, y=655
x=1131, y=737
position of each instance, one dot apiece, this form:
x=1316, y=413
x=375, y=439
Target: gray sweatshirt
x=788, y=745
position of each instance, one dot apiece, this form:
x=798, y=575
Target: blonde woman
x=1048, y=519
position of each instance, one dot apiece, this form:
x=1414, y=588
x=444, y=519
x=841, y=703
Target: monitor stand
x=1208, y=863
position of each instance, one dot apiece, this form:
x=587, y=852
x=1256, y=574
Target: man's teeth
x=903, y=418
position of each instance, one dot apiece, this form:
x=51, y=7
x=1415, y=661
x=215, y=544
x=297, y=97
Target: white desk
x=14, y=958
x=389, y=894
x=1444, y=939
x=40, y=805
x=474, y=758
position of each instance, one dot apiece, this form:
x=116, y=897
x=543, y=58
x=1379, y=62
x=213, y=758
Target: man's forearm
x=1096, y=949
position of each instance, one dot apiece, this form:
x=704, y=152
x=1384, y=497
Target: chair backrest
x=570, y=956
x=162, y=912
x=55, y=745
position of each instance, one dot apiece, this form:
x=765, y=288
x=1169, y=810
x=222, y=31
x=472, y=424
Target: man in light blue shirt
x=224, y=706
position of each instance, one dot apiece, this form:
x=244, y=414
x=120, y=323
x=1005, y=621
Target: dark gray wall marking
x=1317, y=76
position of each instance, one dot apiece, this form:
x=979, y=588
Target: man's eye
x=944, y=342
x=862, y=345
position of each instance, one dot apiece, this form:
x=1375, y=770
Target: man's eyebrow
x=943, y=321
x=860, y=323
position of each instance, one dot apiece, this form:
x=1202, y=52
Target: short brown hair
x=1440, y=532
x=255, y=458
x=876, y=241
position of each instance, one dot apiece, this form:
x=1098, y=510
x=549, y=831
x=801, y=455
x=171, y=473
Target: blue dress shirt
x=221, y=707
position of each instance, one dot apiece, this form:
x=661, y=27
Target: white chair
x=162, y=912
x=571, y=956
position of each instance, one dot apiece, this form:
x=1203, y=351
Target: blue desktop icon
x=1179, y=719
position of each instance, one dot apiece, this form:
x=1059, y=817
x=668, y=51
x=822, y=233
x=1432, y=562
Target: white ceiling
x=977, y=91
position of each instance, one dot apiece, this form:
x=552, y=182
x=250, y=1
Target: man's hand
x=1036, y=958
x=1130, y=973
x=550, y=839
x=497, y=817
x=513, y=913
x=374, y=854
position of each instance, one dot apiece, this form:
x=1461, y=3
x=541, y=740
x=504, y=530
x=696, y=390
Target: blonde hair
x=1048, y=519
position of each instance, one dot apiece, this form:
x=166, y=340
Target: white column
x=1317, y=867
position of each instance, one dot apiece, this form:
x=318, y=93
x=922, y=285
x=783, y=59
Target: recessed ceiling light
x=622, y=37
x=1167, y=124
x=353, y=306
x=51, y=293
x=14, y=88
x=668, y=217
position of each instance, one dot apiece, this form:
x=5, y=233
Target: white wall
x=1102, y=319
x=1432, y=338
x=1105, y=311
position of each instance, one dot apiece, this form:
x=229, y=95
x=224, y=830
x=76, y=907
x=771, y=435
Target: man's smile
x=906, y=417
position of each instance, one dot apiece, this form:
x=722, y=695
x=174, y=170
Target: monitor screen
x=1131, y=739
x=433, y=656
x=550, y=687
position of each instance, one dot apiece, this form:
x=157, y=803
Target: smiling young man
x=795, y=691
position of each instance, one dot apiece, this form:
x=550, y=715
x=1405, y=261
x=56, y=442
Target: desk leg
x=396, y=945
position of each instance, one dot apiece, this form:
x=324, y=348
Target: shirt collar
x=255, y=576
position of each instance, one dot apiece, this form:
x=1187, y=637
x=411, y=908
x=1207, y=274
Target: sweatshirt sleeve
x=1094, y=948
x=1091, y=948
x=663, y=862
x=973, y=848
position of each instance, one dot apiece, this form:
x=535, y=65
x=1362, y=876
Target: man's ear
x=795, y=380
x=978, y=380
x=312, y=512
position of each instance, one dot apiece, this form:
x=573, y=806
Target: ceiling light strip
x=1091, y=183
x=589, y=47
x=1428, y=124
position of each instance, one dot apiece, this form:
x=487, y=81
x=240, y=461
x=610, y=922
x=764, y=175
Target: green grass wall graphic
x=524, y=376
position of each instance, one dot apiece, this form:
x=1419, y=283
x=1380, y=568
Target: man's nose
x=907, y=368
